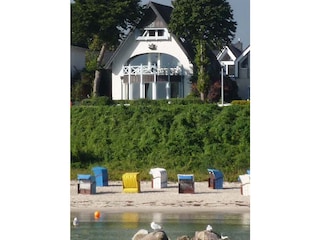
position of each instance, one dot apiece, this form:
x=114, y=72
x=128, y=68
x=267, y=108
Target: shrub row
x=182, y=136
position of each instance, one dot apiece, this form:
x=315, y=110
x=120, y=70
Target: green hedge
x=181, y=136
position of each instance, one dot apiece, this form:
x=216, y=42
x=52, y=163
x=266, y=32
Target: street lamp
x=222, y=67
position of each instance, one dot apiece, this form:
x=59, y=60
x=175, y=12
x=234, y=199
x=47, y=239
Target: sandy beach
x=111, y=198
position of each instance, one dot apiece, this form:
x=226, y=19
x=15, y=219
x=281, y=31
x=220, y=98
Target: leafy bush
x=96, y=101
x=240, y=102
x=181, y=137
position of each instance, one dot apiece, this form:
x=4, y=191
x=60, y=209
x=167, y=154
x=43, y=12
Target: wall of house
x=78, y=59
x=242, y=74
x=132, y=48
x=243, y=88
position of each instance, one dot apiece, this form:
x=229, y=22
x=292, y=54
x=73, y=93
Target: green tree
x=203, y=22
x=105, y=20
x=81, y=86
x=202, y=61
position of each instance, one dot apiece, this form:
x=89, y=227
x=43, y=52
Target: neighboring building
x=242, y=73
x=227, y=57
x=78, y=59
x=236, y=64
x=78, y=64
x=151, y=62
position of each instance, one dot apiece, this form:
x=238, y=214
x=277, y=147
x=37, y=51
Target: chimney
x=238, y=45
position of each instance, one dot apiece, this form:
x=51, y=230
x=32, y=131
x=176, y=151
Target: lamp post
x=222, y=101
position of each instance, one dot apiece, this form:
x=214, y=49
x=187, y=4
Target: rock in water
x=206, y=235
x=184, y=237
x=140, y=234
x=157, y=235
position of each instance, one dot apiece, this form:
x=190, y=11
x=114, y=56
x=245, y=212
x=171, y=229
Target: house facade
x=242, y=73
x=151, y=63
x=236, y=64
x=77, y=58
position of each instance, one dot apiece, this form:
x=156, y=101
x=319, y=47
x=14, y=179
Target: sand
x=111, y=198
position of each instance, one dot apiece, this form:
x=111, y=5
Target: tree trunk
x=202, y=96
x=98, y=72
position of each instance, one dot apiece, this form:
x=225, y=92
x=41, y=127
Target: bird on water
x=155, y=226
x=75, y=221
x=209, y=228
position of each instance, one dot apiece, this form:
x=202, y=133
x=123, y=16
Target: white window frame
x=146, y=36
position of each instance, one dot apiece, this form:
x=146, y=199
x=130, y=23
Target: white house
x=236, y=64
x=242, y=73
x=151, y=62
x=227, y=57
x=78, y=59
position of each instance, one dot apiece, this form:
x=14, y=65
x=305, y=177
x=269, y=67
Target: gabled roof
x=242, y=56
x=236, y=52
x=231, y=51
x=163, y=12
x=107, y=56
x=154, y=10
x=110, y=60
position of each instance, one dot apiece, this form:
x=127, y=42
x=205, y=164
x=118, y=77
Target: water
x=122, y=226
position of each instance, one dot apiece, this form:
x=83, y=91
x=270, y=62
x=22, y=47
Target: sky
x=241, y=14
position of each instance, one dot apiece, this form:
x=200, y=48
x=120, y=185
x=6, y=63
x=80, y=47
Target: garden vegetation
x=183, y=136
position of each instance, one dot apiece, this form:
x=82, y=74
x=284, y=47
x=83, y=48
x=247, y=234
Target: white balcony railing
x=150, y=70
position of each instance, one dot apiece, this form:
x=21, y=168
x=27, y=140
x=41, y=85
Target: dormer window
x=154, y=34
x=160, y=33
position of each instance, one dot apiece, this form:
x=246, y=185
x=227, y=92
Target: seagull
x=155, y=226
x=209, y=228
x=75, y=221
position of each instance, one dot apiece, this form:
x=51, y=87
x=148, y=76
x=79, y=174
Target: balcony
x=148, y=74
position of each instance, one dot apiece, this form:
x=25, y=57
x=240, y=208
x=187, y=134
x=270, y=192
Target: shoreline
x=112, y=199
x=161, y=210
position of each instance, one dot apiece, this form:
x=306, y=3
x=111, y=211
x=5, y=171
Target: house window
x=160, y=33
x=244, y=69
x=154, y=34
x=231, y=70
x=244, y=64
